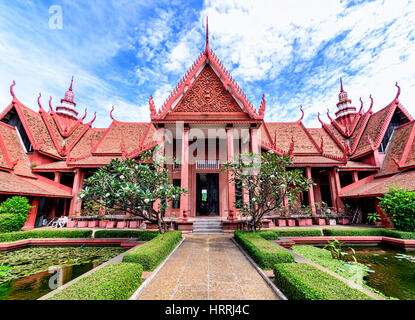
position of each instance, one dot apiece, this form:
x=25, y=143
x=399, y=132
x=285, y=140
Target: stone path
x=207, y=267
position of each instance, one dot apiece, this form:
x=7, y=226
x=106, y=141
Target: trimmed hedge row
x=150, y=254
x=263, y=252
x=275, y=234
x=32, y=234
x=300, y=281
x=375, y=232
x=140, y=235
x=115, y=281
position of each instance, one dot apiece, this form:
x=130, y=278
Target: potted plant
x=103, y=222
x=133, y=223
x=93, y=215
x=331, y=218
x=321, y=209
x=282, y=222
x=306, y=219
x=110, y=222
x=374, y=218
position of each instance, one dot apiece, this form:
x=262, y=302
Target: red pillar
x=184, y=199
x=355, y=176
x=58, y=176
x=159, y=153
x=333, y=190
x=31, y=217
x=255, y=141
x=231, y=185
x=339, y=202
x=311, y=199
x=76, y=203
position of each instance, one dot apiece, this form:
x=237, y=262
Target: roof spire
x=207, y=35
x=341, y=85
x=70, y=88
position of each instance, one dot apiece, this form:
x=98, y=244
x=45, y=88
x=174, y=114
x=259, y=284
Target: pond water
x=394, y=271
x=28, y=274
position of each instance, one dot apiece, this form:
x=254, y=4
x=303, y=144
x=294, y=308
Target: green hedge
x=263, y=252
x=151, y=253
x=21, y=235
x=13, y=214
x=379, y=232
x=300, y=281
x=374, y=232
x=115, y=281
x=275, y=234
x=140, y=235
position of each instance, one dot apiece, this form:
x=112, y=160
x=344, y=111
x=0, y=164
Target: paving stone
x=207, y=267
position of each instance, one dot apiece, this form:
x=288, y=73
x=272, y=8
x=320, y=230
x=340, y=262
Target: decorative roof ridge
x=51, y=182
x=308, y=134
x=365, y=120
x=408, y=145
x=325, y=127
x=134, y=153
x=384, y=127
x=103, y=137
x=336, y=125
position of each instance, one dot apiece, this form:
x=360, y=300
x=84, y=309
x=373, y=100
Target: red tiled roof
x=396, y=148
x=358, y=165
x=314, y=160
x=122, y=135
x=12, y=184
x=90, y=139
x=379, y=186
x=329, y=146
x=93, y=161
x=283, y=133
x=58, y=165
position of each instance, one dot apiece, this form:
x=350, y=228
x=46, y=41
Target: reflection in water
x=394, y=271
x=37, y=285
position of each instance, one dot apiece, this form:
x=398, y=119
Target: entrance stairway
x=207, y=226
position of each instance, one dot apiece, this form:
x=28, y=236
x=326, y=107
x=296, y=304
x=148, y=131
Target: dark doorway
x=207, y=194
x=326, y=195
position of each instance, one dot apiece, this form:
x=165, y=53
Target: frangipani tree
x=263, y=181
x=137, y=187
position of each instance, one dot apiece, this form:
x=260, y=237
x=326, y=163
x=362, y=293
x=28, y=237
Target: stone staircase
x=207, y=226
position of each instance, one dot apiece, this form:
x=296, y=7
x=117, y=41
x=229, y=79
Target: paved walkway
x=207, y=267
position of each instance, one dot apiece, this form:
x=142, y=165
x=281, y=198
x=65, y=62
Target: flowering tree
x=139, y=188
x=265, y=182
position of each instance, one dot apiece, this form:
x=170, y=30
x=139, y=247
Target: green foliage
x=275, y=234
x=263, y=252
x=13, y=214
x=133, y=187
x=300, y=281
x=21, y=235
x=398, y=234
x=151, y=253
x=137, y=234
x=399, y=205
x=374, y=232
x=115, y=281
x=373, y=217
x=335, y=248
x=265, y=180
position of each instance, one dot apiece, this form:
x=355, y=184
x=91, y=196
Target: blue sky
x=294, y=52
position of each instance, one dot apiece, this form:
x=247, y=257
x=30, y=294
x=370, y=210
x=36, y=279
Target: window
x=395, y=122
x=176, y=203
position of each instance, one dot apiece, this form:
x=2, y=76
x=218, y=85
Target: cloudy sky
x=293, y=51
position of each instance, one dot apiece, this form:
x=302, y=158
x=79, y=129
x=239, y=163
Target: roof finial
x=11, y=90
x=112, y=110
x=38, y=102
x=341, y=85
x=302, y=115
x=207, y=35
x=399, y=91
x=70, y=88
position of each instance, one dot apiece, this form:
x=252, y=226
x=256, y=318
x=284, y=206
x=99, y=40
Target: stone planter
x=93, y=223
x=133, y=224
x=308, y=221
x=320, y=221
x=282, y=223
x=121, y=224
x=186, y=226
x=265, y=224
x=71, y=223
x=301, y=222
x=230, y=226
x=291, y=222
x=344, y=221
x=331, y=222
x=103, y=223
x=82, y=224
x=110, y=224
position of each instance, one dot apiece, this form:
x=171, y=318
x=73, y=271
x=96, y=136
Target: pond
x=393, y=271
x=28, y=274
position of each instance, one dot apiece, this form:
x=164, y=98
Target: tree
x=265, y=182
x=136, y=187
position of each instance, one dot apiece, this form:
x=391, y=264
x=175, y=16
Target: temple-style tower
x=68, y=105
x=345, y=114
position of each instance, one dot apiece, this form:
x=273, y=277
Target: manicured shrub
x=21, y=235
x=263, y=252
x=290, y=233
x=140, y=235
x=398, y=234
x=373, y=232
x=399, y=205
x=300, y=281
x=150, y=254
x=13, y=214
x=115, y=281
